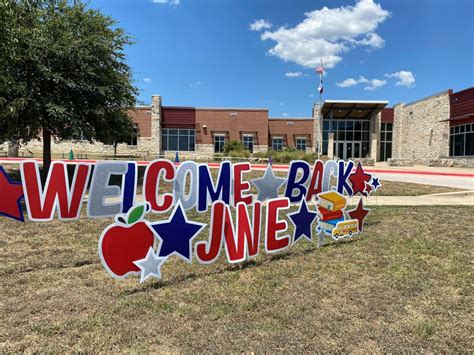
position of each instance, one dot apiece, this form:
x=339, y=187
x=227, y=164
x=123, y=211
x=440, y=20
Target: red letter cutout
x=41, y=204
x=274, y=225
x=316, y=184
x=241, y=186
x=244, y=229
x=151, y=184
x=239, y=246
x=208, y=252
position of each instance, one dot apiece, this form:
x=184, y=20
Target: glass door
x=341, y=150
x=348, y=150
x=357, y=152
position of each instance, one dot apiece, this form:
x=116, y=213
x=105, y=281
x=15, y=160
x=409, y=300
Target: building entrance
x=348, y=150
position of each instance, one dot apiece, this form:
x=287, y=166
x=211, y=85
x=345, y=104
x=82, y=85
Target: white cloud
x=375, y=84
x=195, y=83
x=147, y=80
x=169, y=2
x=352, y=82
x=294, y=74
x=370, y=84
x=284, y=114
x=328, y=33
x=259, y=25
x=405, y=78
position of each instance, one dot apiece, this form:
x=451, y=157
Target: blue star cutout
x=303, y=219
x=375, y=183
x=176, y=234
x=11, y=194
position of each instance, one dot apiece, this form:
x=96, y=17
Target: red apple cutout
x=126, y=241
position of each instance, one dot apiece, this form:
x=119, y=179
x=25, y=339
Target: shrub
x=243, y=153
x=288, y=154
x=233, y=146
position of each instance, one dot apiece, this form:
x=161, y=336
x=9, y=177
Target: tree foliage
x=62, y=71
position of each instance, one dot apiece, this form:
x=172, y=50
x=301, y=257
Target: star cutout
x=176, y=234
x=150, y=266
x=268, y=185
x=358, y=180
x=11, y=193
x=368, y=188
x=359, y=213
x=375, y=183
x=303, y=219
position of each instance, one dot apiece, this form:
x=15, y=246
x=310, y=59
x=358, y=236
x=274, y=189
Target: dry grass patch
x=405, y=285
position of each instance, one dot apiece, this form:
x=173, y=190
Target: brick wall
x=142, y=117
x=290, y=129
x=233, y=123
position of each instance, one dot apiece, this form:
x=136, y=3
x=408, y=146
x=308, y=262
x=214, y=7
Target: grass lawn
x=404, y=285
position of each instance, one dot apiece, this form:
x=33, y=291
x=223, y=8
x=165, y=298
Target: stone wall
x=459, y=162
x=143, y=150
x=147, y=147
x=421, y=132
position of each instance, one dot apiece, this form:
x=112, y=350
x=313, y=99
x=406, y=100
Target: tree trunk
x=13, y=148
x=115, y=149
x=46, y=152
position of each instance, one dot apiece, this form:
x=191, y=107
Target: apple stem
x=121, y=219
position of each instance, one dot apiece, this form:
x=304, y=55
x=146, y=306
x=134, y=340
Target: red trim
x=260, y=167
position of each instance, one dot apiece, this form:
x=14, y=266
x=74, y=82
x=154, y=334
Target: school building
x=435, y=130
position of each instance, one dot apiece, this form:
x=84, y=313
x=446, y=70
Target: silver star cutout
x=268, y=185
x=150, y=265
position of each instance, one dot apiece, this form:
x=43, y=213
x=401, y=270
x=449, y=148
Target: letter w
x=41, y=204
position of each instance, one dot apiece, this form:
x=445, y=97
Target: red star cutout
x=358, y=180
x=368, y=188
x=11, y=193
x=359, y=213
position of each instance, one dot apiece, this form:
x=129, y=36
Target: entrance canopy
x=341, y=109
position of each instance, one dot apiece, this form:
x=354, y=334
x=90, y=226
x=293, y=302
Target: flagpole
x=320, y=71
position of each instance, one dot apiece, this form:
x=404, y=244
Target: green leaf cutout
x=135, y=214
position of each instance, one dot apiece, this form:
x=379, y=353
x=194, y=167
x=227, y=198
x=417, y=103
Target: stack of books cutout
x=330, y=209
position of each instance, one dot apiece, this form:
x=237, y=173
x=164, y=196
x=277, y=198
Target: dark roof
x=353, y=109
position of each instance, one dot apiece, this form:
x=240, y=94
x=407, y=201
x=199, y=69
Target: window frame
x=221, y=143
x=180, y=137
x=299, y=145
x=459, y=142
x=278, y=144
x=248, y=142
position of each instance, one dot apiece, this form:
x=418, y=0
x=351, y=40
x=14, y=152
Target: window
x=248, y=143
x=277, y=144
x=175, y=139
x=219, y=142
x=301, y=144
x=461, y=140
x=134, y=139
x=386, y=133
x=347, y=130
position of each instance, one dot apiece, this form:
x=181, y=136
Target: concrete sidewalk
x=464, y=198
x=426, y=175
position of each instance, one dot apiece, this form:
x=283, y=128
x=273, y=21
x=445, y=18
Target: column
x=331, y=145
x=156, y=124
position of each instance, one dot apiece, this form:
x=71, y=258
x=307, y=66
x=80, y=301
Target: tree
x=62, y=70
x=120, y=130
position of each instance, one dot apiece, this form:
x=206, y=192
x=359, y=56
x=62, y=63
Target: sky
x=263, y=53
